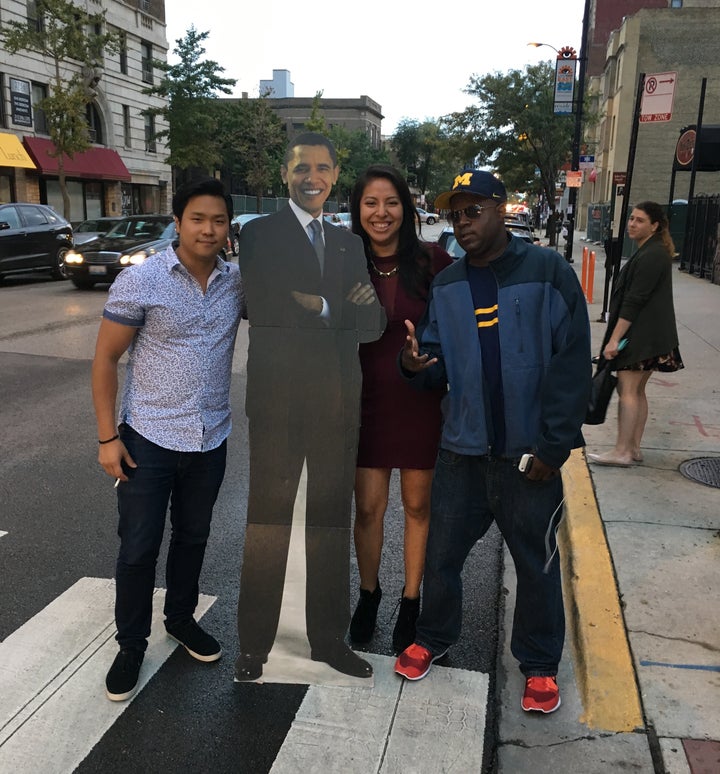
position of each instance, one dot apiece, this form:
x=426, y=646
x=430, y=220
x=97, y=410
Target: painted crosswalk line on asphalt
x=53, y=708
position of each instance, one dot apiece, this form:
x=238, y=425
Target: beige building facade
x=124, y=171
x=683, y=40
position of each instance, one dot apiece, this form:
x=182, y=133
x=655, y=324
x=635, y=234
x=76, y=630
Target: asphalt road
x=58, y=510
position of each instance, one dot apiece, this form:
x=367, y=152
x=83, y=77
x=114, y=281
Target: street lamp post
x=577, y=134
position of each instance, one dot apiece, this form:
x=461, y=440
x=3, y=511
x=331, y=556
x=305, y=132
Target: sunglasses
x=471, y=212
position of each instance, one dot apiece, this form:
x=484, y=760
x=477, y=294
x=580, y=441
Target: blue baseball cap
x=473, y=181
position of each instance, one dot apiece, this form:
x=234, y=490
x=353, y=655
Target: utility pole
x=577, y=136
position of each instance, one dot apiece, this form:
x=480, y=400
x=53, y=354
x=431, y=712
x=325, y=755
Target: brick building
x=654, y=40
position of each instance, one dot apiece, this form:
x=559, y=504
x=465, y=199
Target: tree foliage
x=355, y=154
x=192, y=111
x=252, y=143
x=66, y=35
x=513, y=129
x=428, y=158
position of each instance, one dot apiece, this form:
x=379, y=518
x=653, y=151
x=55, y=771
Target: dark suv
x=128, y=242
x=33, y=237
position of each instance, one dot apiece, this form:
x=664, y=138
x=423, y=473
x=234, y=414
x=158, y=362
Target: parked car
x=130, y=241
x=427, y=217
x=444, y=237
x=93, y=227
x=236, y=225
x=447, y=240
x=340, y=219
x=33, y=237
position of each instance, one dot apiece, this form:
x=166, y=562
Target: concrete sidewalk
x=640, y=678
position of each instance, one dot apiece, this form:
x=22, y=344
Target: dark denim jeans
x=467, y=494
x=190, y=482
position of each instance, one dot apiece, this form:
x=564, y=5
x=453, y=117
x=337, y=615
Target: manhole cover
x=705, y=470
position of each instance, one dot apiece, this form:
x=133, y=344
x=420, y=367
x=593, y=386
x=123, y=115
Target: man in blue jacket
x=506, y=328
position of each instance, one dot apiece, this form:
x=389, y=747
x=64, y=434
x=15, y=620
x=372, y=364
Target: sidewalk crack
x=704, y=645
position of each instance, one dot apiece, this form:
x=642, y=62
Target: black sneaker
x=404, y=631
x=121, y=680
x=362, y=625
x=197, y=642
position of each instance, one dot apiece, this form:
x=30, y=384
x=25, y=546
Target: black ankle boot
x=404, y=631
x=362, y=625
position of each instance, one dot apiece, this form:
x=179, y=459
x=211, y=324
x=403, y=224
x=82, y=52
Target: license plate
x=97, y=270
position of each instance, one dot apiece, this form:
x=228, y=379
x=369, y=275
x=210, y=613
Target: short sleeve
x=126, y=302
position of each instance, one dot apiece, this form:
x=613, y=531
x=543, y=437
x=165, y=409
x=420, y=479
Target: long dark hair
x=656, y=213
x=413, y=256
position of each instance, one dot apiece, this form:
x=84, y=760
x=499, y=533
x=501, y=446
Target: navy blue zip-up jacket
x=545, y=355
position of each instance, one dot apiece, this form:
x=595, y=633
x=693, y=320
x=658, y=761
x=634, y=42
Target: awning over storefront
x=12, y=153
x=92, y=164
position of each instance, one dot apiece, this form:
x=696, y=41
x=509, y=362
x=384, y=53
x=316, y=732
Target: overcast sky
x=414, y=58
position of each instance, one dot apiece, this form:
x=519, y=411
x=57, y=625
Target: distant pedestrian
x=177, y=314
x=641, y=314
x=506, y=328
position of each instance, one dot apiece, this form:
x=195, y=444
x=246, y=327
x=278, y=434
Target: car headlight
x=73, y=257
x=133, y=259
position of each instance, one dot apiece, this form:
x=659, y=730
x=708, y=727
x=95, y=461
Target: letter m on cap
x=462, y=179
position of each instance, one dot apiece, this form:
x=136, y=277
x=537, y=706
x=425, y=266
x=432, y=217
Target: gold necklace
x=385, y=274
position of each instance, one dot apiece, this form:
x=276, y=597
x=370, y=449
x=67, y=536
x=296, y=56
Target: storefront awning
x=12, y=153
x=92, y=164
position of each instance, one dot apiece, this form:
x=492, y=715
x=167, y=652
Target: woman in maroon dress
x=400, y=426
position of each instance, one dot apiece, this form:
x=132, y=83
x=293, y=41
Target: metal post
x=577, y=136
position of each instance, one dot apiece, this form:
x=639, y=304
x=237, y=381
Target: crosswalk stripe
x=2, y=533
x=53, y=708
x=436, y=724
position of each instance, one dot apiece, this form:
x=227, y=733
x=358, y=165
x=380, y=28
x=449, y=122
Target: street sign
x=587, y=162
x=657, y=98
x=565, y=67
x=619, y=178
x=573, y=179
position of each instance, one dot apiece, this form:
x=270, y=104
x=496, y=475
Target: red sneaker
x=415, y=662
x=541, y=695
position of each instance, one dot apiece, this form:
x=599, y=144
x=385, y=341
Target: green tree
x=252, y=144
x=355, y=154
x=423, y=151
x=513, y=129
x=192, y=111
x=66, y=35
x=316, y=122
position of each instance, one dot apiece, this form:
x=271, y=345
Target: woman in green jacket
x=641, y=336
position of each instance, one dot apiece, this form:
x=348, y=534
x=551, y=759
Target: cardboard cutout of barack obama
x=310, y=303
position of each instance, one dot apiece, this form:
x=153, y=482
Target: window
x=95, y=132
x=150, y=144
x=127, y=134
x=676, y=3
x=123, y=54
x=3, y=122
x=147, y=61
x=35, y=16
x=33, y=215
x=39, y=93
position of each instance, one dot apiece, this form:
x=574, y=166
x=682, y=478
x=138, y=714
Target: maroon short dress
x=400, y=425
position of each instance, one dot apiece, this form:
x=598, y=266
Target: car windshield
x=137, y=229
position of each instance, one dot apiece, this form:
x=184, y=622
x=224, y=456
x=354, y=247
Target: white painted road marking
x=395, y=727
x=53, y=708
x=2, y=533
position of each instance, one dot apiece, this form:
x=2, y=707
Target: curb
x=601, y=654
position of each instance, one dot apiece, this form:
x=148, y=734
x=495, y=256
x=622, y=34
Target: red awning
x=92, y=164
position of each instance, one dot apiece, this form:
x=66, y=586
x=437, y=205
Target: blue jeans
x=190, y=482
x=467, y=494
